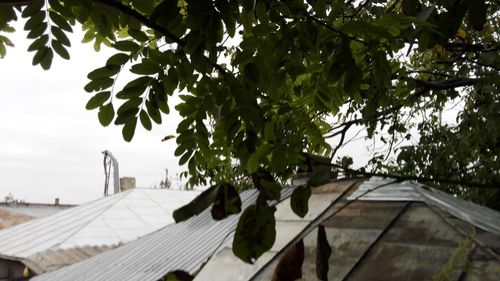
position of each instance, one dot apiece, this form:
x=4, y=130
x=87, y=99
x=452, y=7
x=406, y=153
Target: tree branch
x=14, y=2
x=425, y=86
x=119, y=6
x=470, y=47
x=327, y=26
x=341, y=141
x=447, y=84
x=359, y=8
x=417, y=178
x=153, y=25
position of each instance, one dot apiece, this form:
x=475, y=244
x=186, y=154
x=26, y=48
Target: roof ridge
x=38, y=223
x=93, y=218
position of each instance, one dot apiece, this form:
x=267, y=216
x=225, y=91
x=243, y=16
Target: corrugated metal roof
x=401, y=232
x=393, y=231
x=380, y=189
x=108, y=222
x=34, y=210
x=9, y=219
x=183, y=246
x=288, y=227
x=54, y=259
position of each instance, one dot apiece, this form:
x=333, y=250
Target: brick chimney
x=127, y=183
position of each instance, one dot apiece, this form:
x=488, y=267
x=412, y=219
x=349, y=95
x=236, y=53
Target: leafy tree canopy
x=267, y=83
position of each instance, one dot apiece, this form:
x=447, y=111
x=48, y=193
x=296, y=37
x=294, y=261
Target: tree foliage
x=266, y=83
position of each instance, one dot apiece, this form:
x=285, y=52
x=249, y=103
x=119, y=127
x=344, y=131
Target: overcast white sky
x=50, y=145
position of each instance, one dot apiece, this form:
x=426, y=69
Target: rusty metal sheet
x=364, y=215
x=339, y=186
x=353, y=230
x=54, y=259
x=350, y=233
x=487, y=239
x=483, y=267
x=395, y=262
x=417, y=246
x=8, y=219
x=348, y=246
x=383, y=189
x=420, y=225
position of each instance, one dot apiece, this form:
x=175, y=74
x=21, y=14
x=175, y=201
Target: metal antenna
x=108, y=160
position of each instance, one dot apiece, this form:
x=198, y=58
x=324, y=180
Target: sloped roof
x=380, y=189
x=104, y=223
x=405, y=232
x=9, y=219
x=183, y=246
x=288, y=227
x=34, y=210
x=381, y=231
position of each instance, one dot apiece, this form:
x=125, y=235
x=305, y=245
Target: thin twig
x=418, y=178
x=341, y=141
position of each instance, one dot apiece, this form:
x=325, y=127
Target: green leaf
x=255, y=233
x=198, y=205
x=39, y=55
x=125, y=116
x=251, y=73
x=271, y=189
x=145, y=121
x=181, y=148
x=279, y=160
x=477, y=14
x=323, y=253
x=138, y=35
x=352, y=81
x=97, y=100
x=60, y=35
x=129, y=129
x=88, y=36
x=37, y=31
x=227, y=202
x=99, y=84
x=261, y=12
x=146, y=67
x=118, y=59
x=299, y=200
x=185, y=157
x=177, y=275
x=39, y=43
x=35, y=20
x=254, y=159
x=32, y=8
x=153, y=112
x=126, y=46
x=3, y=51
x=160, y=57
x=130, y=104
x=6, y=41
x=60, y=21
x=64, y=11
x=106, y=114
x=102, y=72
x=60, y=49
x=269, y=131
x=138, y=85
